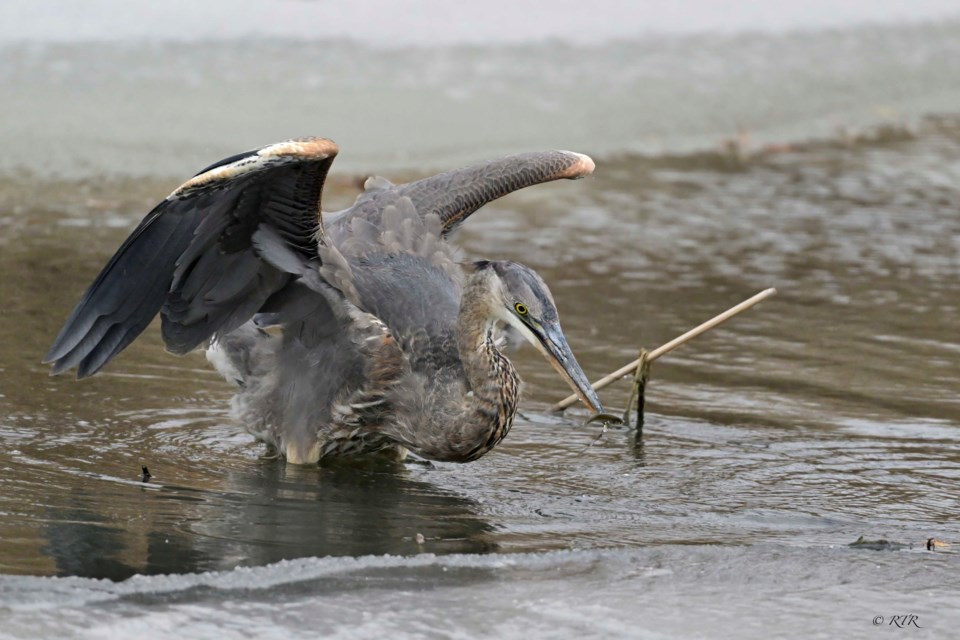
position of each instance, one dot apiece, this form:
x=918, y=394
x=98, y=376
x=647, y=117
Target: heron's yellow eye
x=521, y=309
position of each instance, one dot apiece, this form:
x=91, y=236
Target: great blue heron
x=387, y=341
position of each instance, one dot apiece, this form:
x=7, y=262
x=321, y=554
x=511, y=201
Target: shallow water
x=828, y=412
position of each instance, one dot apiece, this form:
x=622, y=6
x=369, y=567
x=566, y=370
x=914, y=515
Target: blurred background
x=161, y=87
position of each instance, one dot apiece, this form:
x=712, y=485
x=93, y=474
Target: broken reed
x=632, y=368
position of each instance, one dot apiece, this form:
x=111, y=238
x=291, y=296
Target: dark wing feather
x=193, y=256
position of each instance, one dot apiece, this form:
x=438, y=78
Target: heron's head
x=523, y=301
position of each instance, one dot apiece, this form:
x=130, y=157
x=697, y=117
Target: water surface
x=827, y=413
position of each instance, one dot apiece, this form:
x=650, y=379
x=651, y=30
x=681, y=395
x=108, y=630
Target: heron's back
x=405, y=274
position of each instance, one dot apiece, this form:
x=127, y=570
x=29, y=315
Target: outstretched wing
x=195, y=255
x=454, y=195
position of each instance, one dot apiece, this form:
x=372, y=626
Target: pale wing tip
x=304, y=148
x=582, y=166
x=314, y=148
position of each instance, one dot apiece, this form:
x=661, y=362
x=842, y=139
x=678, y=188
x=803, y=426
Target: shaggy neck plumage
x=484, y=416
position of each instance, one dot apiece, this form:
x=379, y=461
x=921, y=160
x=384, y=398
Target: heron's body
x=384, y=341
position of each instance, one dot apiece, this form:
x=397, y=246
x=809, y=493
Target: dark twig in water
x=670, y=346
x=145, y=474
x=639, y=390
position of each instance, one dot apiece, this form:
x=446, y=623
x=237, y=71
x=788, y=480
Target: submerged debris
x=877, y=545
x=931, y=544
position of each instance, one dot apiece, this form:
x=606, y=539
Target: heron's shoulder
x=399, y=238
x=396, y=266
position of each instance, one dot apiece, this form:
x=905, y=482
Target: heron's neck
x=489, y=407
x=463, y=426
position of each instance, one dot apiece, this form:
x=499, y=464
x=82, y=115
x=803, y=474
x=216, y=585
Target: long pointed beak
x=557, y=352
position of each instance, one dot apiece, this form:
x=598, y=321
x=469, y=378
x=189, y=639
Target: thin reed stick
x=670, y=346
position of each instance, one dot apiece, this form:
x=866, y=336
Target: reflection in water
x=261, y=515
x=82, y=545
x=343, y=510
